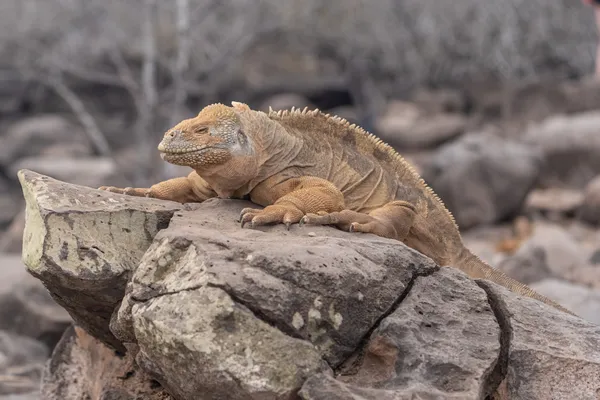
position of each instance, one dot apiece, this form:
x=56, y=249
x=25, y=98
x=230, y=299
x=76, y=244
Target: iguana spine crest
x=375, y=141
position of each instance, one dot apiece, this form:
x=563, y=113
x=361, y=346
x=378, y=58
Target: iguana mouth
x=183, y=151
x=178, y=155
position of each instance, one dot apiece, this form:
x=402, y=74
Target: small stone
x=590, y=209
x=595, y=258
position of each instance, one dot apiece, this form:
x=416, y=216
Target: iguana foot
x=276, y=213
x=351, y=221
x=139, y=192
x=393, y=220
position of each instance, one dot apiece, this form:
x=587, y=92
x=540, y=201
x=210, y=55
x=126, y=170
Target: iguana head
x=214, y=137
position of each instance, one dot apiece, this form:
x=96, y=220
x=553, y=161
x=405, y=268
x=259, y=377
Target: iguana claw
x=272, y=214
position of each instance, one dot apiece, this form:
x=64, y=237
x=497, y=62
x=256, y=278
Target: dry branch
x=85, y=118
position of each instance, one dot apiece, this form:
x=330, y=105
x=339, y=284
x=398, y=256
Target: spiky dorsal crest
x=240, y=106
x=306, y=119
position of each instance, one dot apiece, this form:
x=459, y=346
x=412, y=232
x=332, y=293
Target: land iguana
x=309, y=167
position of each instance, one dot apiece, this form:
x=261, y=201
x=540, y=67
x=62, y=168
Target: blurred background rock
x=494, y=103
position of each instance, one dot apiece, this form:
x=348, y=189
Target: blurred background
x=495, y=103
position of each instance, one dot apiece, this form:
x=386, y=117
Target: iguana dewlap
x=310, y=167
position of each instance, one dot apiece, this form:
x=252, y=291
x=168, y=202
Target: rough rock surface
x=82, y=367
x=546, y=355
x=82, y=244
x=322, y=288
x=482, y=178
x=443, y=338
x=213, y=311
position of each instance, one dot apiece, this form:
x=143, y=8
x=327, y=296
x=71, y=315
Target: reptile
x=309, y=167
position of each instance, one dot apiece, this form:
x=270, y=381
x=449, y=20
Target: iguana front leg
x=190, y=189
x=392, y=220
x=287, y=202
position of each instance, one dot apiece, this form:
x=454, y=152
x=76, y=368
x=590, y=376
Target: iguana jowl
x=309, y=167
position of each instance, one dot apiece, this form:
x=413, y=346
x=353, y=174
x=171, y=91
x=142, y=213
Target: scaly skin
x=311, y=168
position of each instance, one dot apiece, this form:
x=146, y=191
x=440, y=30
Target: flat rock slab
x=83, y=244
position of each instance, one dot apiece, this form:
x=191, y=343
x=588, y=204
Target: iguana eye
x=201, y=129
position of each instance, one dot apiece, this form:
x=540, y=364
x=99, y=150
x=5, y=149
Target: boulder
x=11, y=241
x=213, y=311
x=529, y=264
x=43, y=134
x=590, y=207
x=571, y=148
x=26, y=307
x=483, y=178
x=554, y=201
x=21, y=363
x=584, y=301
x=550, y=251
x=83, y=244
x=9, y=202
x=406, y=125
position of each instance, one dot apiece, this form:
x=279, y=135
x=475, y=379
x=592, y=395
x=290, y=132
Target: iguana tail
x=477, y=268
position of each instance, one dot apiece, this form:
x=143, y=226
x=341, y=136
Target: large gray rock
x=214, y=311
x=328, y=288
x=322, y=292
x=482, y=178
x=83, y=244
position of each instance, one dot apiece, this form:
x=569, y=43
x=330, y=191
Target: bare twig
x=149, y=92
x=85, y=118
x=183, y=60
